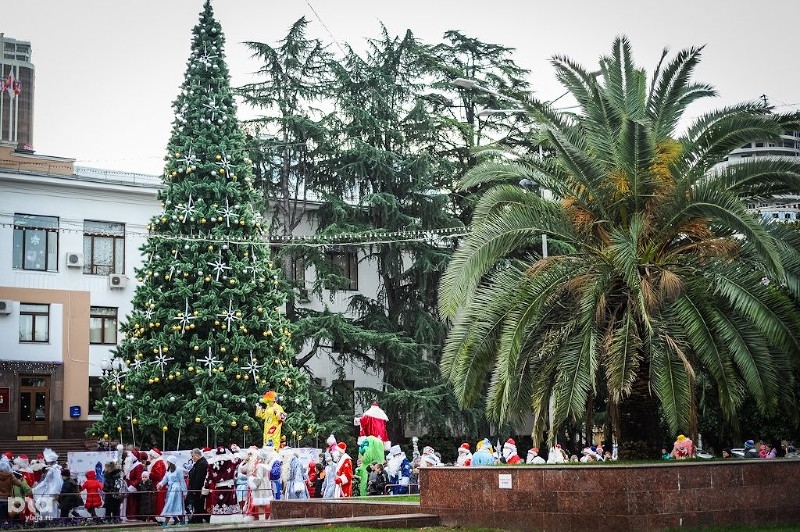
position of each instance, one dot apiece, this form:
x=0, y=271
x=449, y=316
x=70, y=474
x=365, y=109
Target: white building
x=70, y=243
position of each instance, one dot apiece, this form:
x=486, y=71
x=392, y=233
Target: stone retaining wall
x=615, y=497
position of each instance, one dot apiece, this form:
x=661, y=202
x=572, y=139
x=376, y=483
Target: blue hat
x=749, y=444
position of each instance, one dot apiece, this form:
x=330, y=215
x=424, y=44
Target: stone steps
x=31, y=448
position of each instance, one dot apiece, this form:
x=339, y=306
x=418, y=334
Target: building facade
x=16, y=99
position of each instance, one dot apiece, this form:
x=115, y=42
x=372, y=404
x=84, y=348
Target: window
x=103, y=247
x=96, y=394
x=347, y=264
x=103, y=325
x=34, y=322
x=35, y=243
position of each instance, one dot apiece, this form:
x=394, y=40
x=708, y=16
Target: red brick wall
x=615, y=497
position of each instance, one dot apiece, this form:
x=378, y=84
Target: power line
x=335, y=40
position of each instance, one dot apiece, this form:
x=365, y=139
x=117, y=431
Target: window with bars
x=35, y=243
x=103, y=247
x=34, y=322
x=103, y=325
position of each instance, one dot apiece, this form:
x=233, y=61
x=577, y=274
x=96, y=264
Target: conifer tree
x=206, y=337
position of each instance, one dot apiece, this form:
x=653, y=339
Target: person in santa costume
x=464, y=455
x=398, y=468
x=510, y=452
x=220, y=483
x=23, y=465
x=373, y=423
x=37, y=466
x=344, y=471
x=260, y=495
x=157, y=469
x=132, y=469
x=429, y=458
x=533, y=457
x=273, y=415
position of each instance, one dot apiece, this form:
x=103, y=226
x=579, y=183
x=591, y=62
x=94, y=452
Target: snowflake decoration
x=186, y=318
x=253, y=266
x=137, y=364
x=161, y=360
x=218, y=266
x=116, y=377
x=35, y=240
x=253, y=366
x=209, y=361
x=187, y=210
x=230, y=315
x=206, y=59
x=212, y=107
x=225, y=163
x=228, y=213
x=189, y=158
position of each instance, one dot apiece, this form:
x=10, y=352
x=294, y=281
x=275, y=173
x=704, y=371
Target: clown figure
x=682, y=448
x=273, y=415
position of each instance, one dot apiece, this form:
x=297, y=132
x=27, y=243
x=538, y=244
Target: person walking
x=175, y=483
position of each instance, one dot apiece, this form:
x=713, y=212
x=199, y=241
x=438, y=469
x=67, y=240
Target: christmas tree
x=206, y=338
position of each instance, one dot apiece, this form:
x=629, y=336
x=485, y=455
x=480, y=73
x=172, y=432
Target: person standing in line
x=197, y=479
x=113, y=500
x=7, y=483
x=92, y=486
x=69, y=498
x=176, y=490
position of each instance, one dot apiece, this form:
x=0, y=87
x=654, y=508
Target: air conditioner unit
x=116, y=280
x=6, y=306
x=74, y=259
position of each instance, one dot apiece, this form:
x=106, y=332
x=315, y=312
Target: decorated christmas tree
x=206, y=338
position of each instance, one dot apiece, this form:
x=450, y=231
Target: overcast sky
x=108, y=71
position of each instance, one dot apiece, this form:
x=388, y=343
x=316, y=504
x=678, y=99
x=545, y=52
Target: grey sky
x=107, y=71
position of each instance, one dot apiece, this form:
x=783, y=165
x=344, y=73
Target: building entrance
x=34, y=405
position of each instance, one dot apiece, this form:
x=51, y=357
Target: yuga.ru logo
x=42, y=505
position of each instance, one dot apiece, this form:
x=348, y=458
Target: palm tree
x=656, y=273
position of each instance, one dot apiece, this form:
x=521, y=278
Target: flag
x=9, y=88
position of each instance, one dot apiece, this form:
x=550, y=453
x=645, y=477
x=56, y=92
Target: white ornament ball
x=198, y=393
x=243, y=399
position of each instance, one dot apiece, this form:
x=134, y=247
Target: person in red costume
x=133, y=475
x=373, y=423
x=344, y=471
x=157, y=470
x=510, y=454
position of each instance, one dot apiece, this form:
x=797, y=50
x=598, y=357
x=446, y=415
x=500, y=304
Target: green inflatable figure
x=370, y=449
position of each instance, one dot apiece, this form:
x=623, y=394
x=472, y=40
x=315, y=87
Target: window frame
x=347, y=263
x=34, y=313
x=23, y=223
x=95, y=313
x=115, y=234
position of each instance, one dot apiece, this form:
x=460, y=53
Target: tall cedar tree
x=206, y=338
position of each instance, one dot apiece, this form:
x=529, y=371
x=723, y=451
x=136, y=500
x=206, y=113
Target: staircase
x=31, y=448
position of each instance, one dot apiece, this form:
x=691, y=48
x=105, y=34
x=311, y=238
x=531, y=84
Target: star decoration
x=209, y=361
x=185, y=318
x=253, y=366
x=228, y=213
x=189, y=158
x=229, y=316
x=161, y=360
x=218, y=266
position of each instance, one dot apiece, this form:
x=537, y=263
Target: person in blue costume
x=483, y=454
x=399, y=471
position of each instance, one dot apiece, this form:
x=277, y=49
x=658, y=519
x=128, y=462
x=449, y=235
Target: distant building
x=16, y=99
x=784, y=208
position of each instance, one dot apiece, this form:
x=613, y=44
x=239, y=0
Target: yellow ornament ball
x=246, y=428
x=164, y=428
x=105, y=436
x=135, y=421
x=119, y=429
x=196, y=348
x=294, y=433
x=197, y=420
x=233, y=423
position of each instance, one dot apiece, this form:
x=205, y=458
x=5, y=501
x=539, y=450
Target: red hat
x=40, y=456
x=511, y=442
x=342, y=445
x=23, y=457
x=465, y=445
x=155, y=451
x=534, y=450
x=9, y=455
